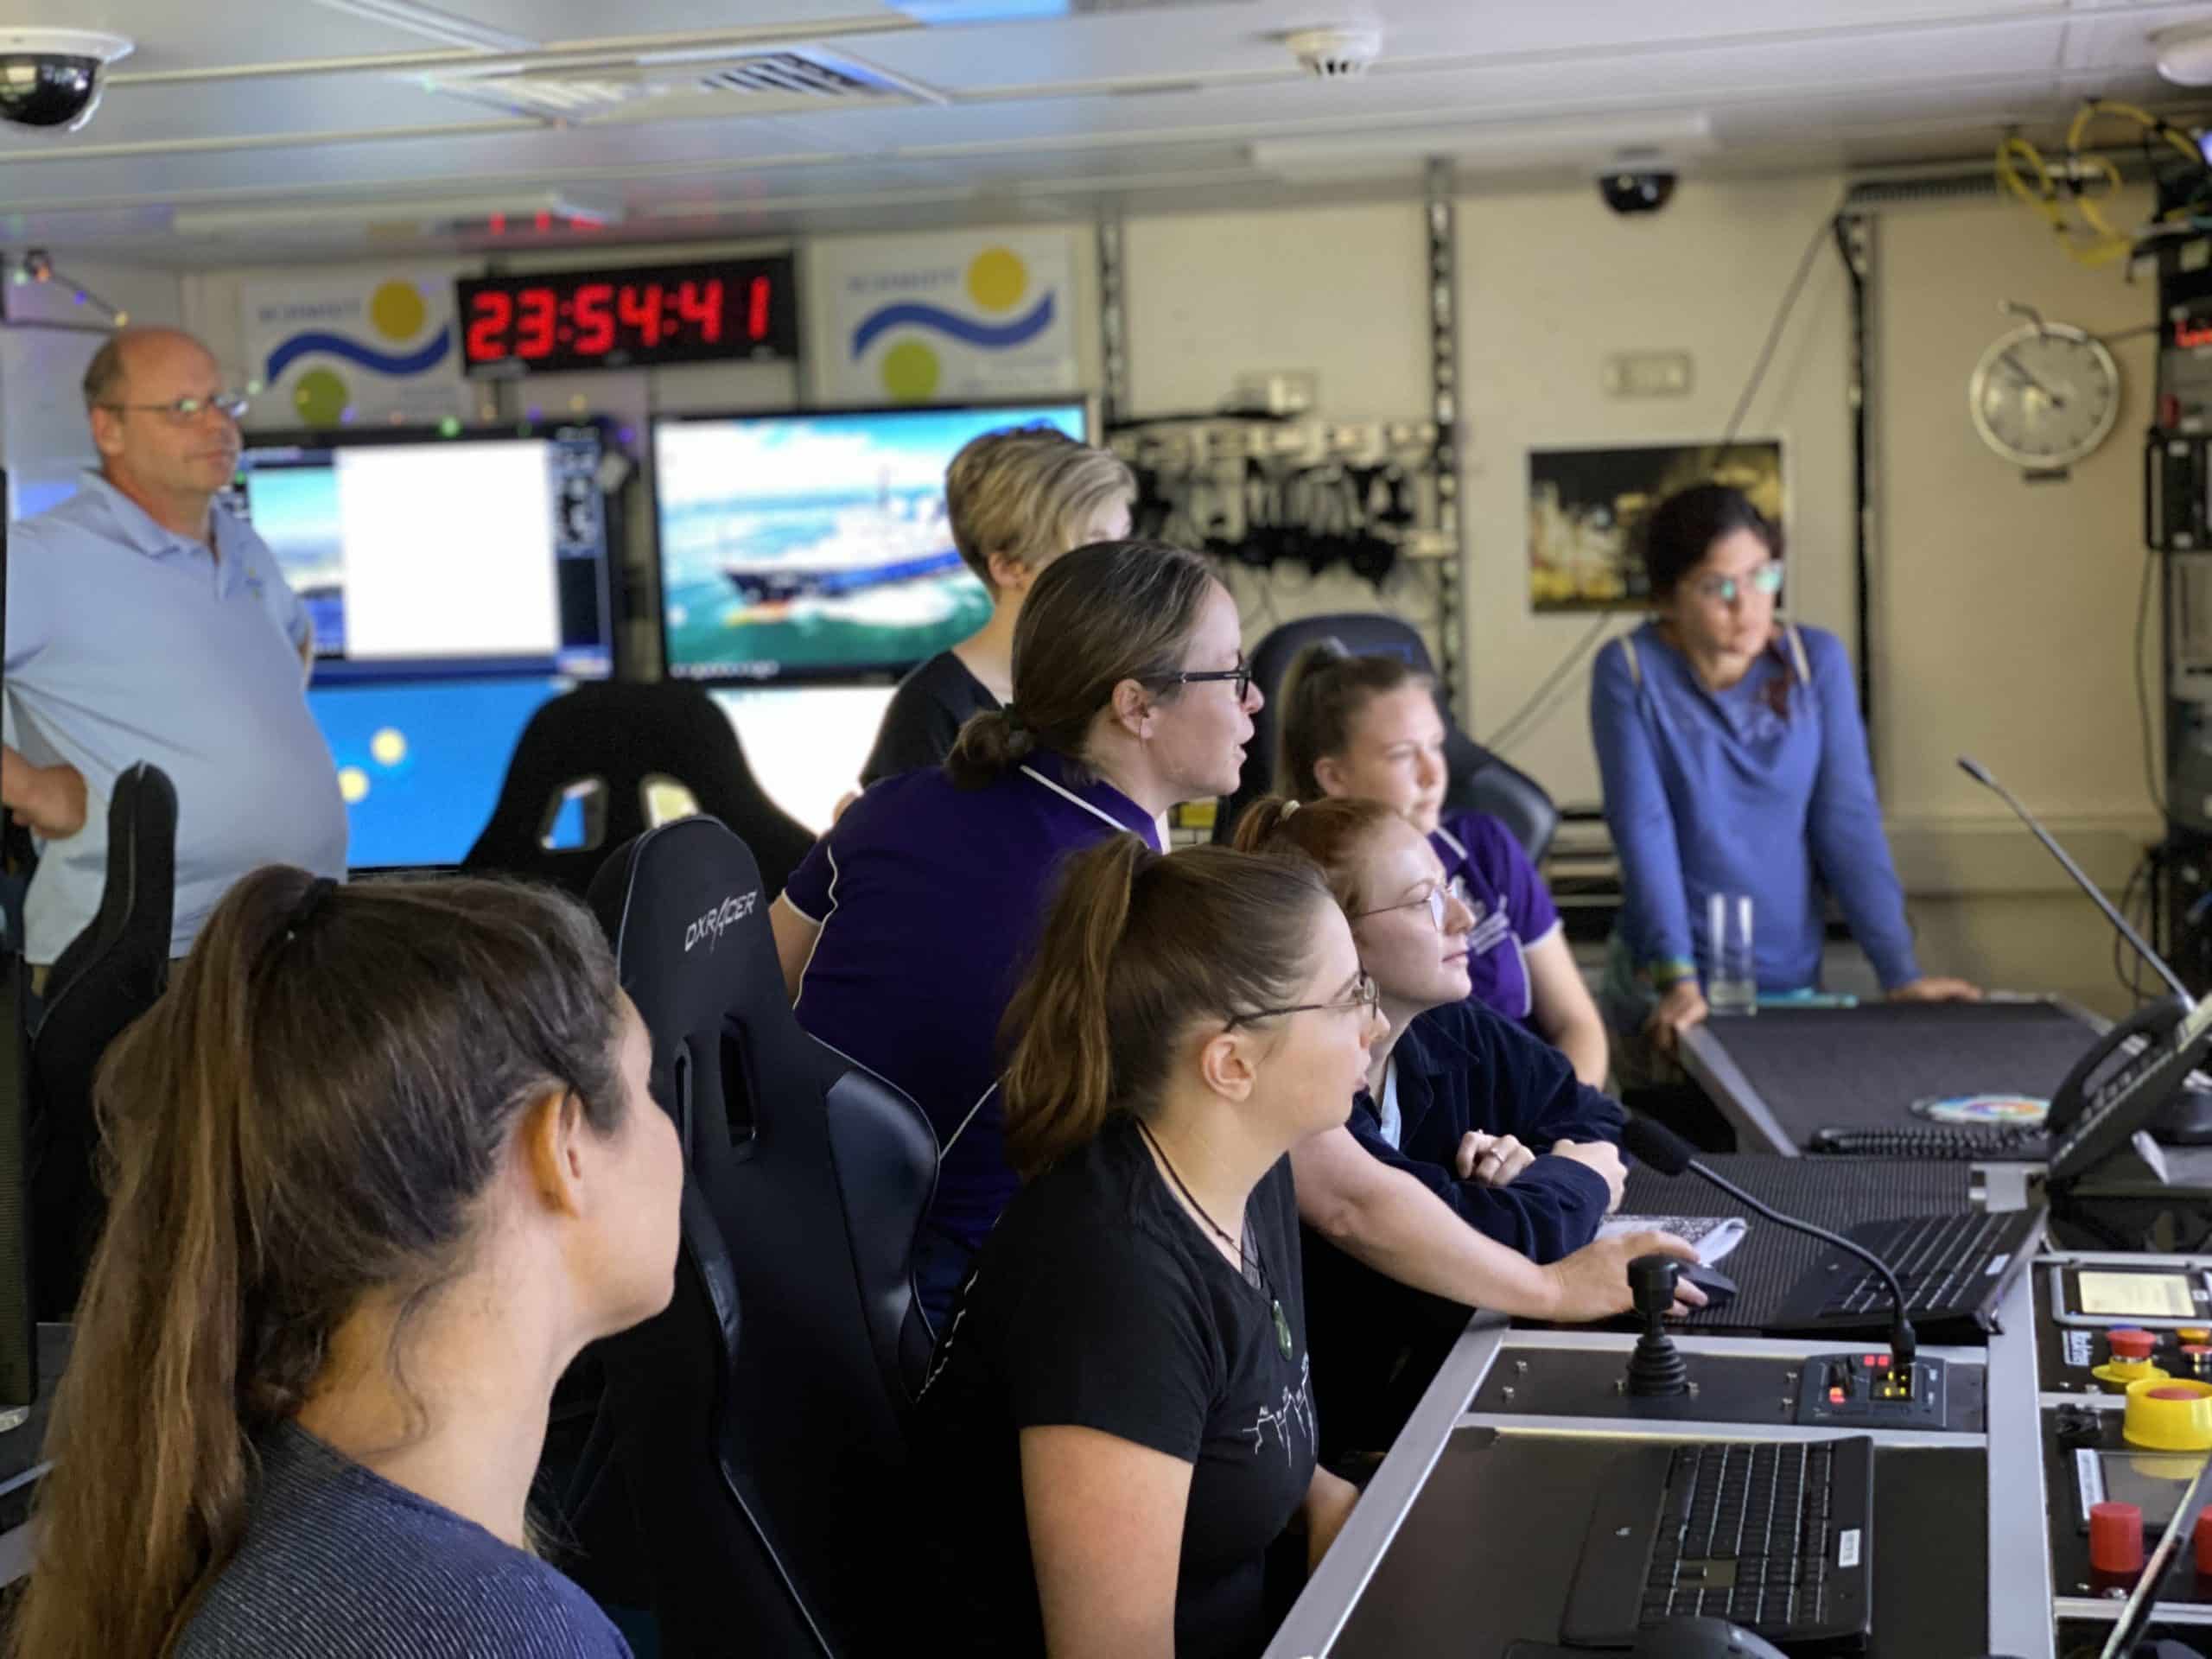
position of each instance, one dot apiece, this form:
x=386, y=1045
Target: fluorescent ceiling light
x=1598, y=143
x=425, y=214
x=432, y=24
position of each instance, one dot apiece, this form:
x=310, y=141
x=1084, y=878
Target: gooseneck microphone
x=1975, y=770
x=1654, y=1144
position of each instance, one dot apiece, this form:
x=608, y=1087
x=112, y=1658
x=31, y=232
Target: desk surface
x=1437, y=1559
x=1783, y=1073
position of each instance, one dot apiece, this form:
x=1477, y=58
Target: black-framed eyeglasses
x=1366, y=995
x=185, y=410
x=1433, y=899
x=1240, y=676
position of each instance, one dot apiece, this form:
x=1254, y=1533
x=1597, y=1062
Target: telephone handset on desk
x=2101, y=1104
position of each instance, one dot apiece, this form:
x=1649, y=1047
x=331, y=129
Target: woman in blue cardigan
x=1734, y=760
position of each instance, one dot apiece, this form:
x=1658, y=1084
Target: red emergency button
x=2115, y=1537
x=2128, y=1343
x=1835, y=1396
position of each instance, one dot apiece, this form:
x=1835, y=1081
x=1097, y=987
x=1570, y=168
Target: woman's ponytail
x=990, y=744
x=1059, y=1079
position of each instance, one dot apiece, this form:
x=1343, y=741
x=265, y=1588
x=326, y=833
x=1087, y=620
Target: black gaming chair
x=607, y=742
x=104, y=979
x=1479, y=781
x=761, y=1418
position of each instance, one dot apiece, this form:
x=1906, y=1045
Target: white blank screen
x=449, y=551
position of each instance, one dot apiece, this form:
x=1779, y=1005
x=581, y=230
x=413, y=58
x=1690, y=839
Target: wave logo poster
x=330, y=350
x=944, y=319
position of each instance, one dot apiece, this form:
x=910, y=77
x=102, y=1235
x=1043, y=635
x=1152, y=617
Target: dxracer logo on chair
x=732, y=909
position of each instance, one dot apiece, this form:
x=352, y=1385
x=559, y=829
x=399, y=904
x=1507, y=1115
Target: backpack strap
x=1635, y=666
x=1797, y=656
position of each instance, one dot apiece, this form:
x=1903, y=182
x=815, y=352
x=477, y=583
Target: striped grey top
x=339, y=1563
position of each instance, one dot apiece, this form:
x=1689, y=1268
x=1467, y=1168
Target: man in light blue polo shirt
x=144, y=623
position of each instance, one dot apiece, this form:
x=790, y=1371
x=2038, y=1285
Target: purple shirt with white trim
x=1513, y=911
x=930, y=898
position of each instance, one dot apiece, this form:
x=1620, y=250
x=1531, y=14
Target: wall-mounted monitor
x=480, y=552
x=815, y=545
x=420, y=762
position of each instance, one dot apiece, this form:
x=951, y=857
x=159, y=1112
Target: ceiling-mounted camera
x=1636, y=192
x=50, y=78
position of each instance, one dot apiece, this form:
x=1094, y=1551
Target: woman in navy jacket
x=1488, y=1117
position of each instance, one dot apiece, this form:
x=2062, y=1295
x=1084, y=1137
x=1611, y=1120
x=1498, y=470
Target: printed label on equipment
x=2078, y=1352
x=2135, y=1295
x=1846, y=1553
x=1996, y=1265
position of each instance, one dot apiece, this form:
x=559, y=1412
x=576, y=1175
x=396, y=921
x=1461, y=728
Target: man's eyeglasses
x=185, y=410
x=1366, y=997
x=1433, y=900
x=1767, y=579
x=1240, y=676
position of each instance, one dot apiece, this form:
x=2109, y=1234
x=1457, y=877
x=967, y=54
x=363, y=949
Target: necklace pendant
x=1282, y=1330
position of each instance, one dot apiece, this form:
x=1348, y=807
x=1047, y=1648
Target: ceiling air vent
x=645, y=85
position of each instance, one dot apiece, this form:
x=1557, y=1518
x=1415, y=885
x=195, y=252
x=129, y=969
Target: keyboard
x=1773, y=1535
x=1953, y=1271
x=2012, y=1145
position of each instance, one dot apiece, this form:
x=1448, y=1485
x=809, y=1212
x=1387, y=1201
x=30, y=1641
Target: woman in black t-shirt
x=1119, y=1423
x=1017, y=500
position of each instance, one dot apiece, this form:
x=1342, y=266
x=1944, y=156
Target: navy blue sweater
x=1463, y=1068
x=1375, y=1344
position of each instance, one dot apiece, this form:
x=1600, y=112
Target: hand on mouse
x=1593, y=1283
x=1492, y=1159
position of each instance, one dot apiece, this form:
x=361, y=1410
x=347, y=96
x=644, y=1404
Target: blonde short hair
x=1029, y=493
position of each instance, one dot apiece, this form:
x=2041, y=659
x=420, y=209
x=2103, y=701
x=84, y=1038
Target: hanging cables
x=1519, y=724
x=2084, y=183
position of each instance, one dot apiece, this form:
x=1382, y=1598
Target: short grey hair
x=105, y=374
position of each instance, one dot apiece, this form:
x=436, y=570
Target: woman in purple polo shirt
x=903, y=934
x=1368, y=727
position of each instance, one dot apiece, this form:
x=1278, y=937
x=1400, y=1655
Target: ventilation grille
x=772, y=80
x=796, y=74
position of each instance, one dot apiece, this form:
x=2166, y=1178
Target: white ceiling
x=299, y=127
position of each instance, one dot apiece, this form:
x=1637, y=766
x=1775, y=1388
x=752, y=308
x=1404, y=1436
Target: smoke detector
x=1340, y=51
x=2185, y=54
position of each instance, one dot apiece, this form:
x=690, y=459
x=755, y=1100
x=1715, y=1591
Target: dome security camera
x=50, y=78
x=1636, y=192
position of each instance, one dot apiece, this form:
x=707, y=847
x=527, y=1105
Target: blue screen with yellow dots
x=420, y=762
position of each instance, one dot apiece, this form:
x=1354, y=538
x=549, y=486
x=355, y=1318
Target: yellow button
x=2169, y=1415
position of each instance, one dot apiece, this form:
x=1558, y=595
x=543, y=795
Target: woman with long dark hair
x=1735, y=762
x=384, y=1160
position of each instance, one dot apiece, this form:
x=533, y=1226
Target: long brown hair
x=1110, y=612
x=1334, y=833
x=1136, y=946
x=308, y=1117
x=1322, y=694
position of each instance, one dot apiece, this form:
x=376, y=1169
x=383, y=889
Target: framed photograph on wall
x=1585, y=505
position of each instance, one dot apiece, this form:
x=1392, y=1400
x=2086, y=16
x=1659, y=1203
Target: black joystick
x=1654, y=1368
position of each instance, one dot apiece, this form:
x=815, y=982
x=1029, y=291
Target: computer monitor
x=806, y=743
x=422, y=551
x=805, y=545
x=420, y=762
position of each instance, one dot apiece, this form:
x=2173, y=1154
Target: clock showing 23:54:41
x=635, y=317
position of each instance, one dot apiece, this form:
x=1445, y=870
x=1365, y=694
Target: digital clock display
x=556, y=322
